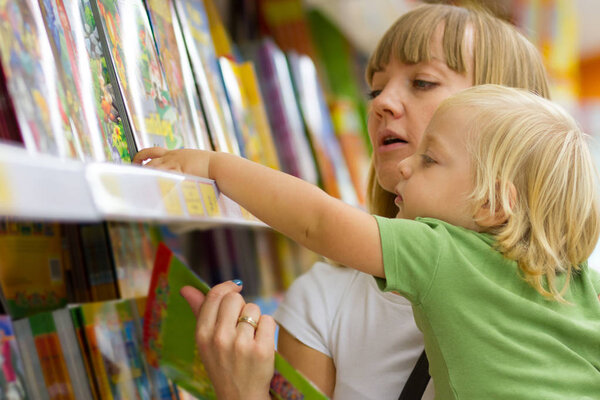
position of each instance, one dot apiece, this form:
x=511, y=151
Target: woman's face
x=405, y=97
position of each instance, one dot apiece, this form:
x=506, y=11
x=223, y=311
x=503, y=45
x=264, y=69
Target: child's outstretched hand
x=186, y=161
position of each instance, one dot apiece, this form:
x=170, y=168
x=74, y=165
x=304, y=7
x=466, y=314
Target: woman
x=337, y=327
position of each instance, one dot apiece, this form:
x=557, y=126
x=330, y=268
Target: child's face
x=437, y=180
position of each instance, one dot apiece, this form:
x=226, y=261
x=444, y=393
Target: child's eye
x=423, y=85
x=427, y=161
x=373, y=93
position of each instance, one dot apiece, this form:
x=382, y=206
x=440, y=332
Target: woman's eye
x=427, y=160
x=373, y=93
x=423, y=85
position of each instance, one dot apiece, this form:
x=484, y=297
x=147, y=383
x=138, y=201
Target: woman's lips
x=390, y=141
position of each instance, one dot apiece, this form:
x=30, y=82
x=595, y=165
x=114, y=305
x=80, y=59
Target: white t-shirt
x=370, y=335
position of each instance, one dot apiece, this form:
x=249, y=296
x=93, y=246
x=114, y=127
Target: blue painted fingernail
x=237, y=282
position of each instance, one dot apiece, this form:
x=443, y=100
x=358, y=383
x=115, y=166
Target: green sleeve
x=411, y=251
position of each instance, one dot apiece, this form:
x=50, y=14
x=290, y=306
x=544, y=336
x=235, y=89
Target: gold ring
x=248, y=320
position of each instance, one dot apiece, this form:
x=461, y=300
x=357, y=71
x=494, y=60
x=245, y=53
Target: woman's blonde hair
x=532, y=164
x=501, y=55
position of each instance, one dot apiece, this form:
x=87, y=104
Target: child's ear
x=487, y=219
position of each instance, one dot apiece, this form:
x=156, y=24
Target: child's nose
x=405, y=168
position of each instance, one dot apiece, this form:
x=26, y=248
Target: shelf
x=48, y=188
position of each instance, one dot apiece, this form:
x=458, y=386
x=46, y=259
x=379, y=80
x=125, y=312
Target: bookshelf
x=84, y=85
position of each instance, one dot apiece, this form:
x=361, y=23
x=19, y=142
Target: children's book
x=249, y=114
x=169, y=336
x=198, y=41
x=97, y=91
x=32, y=81
x=31, y=268
x=178, y=72
x=128, y=45
x=12, y=376
x=293, y=147
x=65, y=52
x=98, y=260
x=109, y=340
x=334, y=173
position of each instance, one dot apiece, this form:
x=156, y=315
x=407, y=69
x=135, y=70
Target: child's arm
x=292, y=206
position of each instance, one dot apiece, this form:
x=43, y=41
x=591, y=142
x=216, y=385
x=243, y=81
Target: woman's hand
x=239, y=359
x=186, y=161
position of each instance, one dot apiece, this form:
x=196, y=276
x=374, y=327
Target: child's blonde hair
x=501, y=55
x=531, y=162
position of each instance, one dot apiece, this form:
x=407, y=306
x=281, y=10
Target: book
x=291, y=142
x=249, y=116
x=133, y=62
x=334, y=173
x=31, y=78
x=12, y=376
x=169, y=335
x=201, y=52
x=98, y=261
x=97, y=91
x=178, y=72
x=64, y=49
x=31, y=268
x=114, y=355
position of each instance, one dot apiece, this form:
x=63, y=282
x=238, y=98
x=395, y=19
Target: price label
x=170, y=197
x=5, y=192
x=192, y=198
x=210, y=199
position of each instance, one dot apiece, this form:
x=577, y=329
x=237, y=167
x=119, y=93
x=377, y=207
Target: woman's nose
x=388, y=103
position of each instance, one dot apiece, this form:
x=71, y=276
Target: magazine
x=169, y=335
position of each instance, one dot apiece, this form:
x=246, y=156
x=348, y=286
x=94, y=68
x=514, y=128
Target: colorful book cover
x=114, y=356
x=282, y=110
x=98, y=96
x=178, y=72
x=51, y=358
x=132, y=58
x=31, y=78
x=64, y=49
x=12, y=378
x=334, y=173
x=249, y=114
x=169, y=335
x=201, y=51
x=133, y=255
x=31, y=268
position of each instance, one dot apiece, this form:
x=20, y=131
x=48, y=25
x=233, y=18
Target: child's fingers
x=194, y=297
x=151, y=152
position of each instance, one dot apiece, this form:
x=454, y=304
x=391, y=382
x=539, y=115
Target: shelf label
x=5, y=197
x=192, y=199
x=170, y=197
x=210, y=199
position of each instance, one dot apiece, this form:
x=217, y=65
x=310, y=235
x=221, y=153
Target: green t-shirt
x=489, y=334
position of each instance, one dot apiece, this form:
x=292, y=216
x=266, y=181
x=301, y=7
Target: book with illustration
x=12, y=376
x=247, y=109
x=178, y=72
x=97, y=91
x=169, y=335
x=133, y=62
x=196, y=34
x=31, y=268
x=65, y=52
x=334, y=173
x=291, y=142
x=32, y=80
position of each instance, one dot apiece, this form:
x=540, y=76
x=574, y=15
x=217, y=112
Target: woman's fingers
x=152, y=152
x=207, y=317
x=194, y=297
x=247, y=321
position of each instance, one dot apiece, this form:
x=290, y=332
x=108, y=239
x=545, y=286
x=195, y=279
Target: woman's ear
x=487, y=219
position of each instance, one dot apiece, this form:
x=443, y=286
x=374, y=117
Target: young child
x=497, y=217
